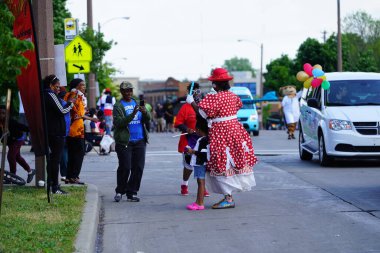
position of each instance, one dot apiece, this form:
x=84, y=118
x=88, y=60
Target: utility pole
x=43, y=20
x=324, y=36
x=339, y=55
x=261, y=70
x=91, y=76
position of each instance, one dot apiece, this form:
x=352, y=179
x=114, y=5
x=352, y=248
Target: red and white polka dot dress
x=231, y=149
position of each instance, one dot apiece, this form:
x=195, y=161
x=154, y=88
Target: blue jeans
x=109, y=124
x=199, y=171
x=63, y=163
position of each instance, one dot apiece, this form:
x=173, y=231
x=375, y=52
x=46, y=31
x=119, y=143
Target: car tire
x=255, y=133
x=304, y=155
x=324, y=158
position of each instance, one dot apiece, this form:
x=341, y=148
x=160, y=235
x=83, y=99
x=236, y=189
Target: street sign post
x=78, y=55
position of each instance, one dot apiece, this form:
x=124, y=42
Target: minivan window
x=353, y=93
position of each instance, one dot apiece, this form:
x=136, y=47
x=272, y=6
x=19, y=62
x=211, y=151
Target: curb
x=86, y=237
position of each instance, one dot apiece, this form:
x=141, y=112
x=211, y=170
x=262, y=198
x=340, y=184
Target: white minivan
x=343, y=121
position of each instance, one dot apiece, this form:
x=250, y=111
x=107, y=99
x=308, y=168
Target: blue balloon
x=318, y=73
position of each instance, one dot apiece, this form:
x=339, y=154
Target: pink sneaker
x=195, y=207
x=184, y=190
x=207, y=194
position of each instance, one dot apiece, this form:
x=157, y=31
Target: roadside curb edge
x=86, y=237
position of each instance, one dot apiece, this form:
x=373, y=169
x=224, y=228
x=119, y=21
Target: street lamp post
x=260, y=92
x=109, y=20
x=339, y=55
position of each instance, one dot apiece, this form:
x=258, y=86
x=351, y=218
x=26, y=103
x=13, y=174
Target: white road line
x=257, y=152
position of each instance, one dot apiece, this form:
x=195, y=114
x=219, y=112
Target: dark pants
x=75, y=152
x=14, y=157
x=131, y=167
x=63, y=163
x=56, y=144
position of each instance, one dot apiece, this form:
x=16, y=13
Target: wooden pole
x=5, y=135
x=43, y=20
x=339, y=55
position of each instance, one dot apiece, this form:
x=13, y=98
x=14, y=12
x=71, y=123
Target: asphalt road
x=296, y=206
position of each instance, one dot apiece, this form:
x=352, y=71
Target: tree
x=363, y=24
x=239, y=64
x=368, y=29
x=310, y=51
x=59, y=14
x=10, y=51
x=280, y=72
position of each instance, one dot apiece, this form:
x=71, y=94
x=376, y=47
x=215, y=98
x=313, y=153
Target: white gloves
x=189, y=99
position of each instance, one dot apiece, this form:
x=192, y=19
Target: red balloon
x=316, y=82
x=308, y=69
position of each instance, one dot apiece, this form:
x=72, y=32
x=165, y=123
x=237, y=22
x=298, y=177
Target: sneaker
x=133, y=199
x=63, y=179
x=117, y=197
x=207, y=194
x=195, y=207
x=31, y=176
x=223, y=204
x=184, y=190
x=59, y=191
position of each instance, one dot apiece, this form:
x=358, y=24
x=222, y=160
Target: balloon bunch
x=313, y=76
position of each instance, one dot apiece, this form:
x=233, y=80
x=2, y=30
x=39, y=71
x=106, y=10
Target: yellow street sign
x=78, y=50
x=75, y=67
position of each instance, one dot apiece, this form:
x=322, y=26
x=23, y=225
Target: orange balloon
x=302, y=76
x=317, y=66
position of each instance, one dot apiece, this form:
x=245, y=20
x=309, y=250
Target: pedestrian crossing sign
x=75, y=67
x=78, y=50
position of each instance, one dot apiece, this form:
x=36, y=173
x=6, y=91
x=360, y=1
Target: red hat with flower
x=220, y=74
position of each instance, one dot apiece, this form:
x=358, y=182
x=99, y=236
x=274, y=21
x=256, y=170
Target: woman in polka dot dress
x=232, y=156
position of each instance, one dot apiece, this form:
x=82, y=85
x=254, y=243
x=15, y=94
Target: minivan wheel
x=304, y=155
x=324, y=159
x=255, y=133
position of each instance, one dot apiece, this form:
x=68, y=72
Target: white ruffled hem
x=228, y=185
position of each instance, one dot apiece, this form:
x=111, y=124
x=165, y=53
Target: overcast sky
x=185, y=39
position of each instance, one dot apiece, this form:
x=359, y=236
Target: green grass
x=29, y=224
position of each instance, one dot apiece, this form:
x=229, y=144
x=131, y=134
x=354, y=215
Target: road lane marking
x=257, y=152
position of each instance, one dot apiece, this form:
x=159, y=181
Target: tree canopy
x=360, y=48
x=60, y=12
x=239, y=64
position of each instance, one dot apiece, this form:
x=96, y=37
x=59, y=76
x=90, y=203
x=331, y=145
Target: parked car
x=247, y=115
x=343, y=121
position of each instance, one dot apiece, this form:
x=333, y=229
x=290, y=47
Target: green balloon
x=326, y=85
